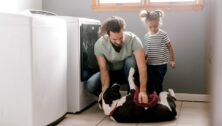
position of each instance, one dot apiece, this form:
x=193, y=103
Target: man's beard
x=117, y=48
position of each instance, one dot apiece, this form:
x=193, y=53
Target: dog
x=126, y=109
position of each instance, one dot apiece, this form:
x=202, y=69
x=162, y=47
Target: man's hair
x=114, y=24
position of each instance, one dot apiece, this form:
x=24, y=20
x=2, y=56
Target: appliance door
x=88, y=38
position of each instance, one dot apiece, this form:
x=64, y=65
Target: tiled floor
x=189, y=114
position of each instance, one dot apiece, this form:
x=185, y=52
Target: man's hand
x=143, y=98
x=100, y=97
x=100, y=100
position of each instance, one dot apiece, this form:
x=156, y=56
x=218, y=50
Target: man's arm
x=104, y=73
x=142, y=67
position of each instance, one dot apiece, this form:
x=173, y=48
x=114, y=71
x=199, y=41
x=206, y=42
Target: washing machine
x=82, y=33
x=49, y=68
x=15, y=70
x=33, y=63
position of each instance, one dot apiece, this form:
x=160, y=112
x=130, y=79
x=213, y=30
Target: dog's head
x=111, y=94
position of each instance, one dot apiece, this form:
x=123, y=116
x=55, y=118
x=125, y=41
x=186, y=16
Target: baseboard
x=192, y=97
x=186, y=97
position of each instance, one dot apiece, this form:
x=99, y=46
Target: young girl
x=157, y=44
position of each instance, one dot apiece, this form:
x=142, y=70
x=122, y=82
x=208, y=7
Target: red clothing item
x=153, y=99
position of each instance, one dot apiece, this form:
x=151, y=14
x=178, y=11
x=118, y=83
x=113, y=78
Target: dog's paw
x=171, y=92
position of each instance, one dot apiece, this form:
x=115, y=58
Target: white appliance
x=82, y=34
x=33, y=65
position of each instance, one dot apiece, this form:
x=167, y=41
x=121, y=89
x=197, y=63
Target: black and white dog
x=125, y=109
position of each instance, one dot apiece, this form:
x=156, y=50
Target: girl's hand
x=173, y=64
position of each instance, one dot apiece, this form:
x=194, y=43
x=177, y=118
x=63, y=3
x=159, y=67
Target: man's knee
x=130, y=62
x=93, y=84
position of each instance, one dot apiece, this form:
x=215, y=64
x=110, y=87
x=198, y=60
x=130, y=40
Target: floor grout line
x=179, y=113
x=101, y=121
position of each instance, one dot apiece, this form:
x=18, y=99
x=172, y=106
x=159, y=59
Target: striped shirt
x=156, y=49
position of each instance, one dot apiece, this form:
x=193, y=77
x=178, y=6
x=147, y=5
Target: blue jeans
x=156, y=75
x=93, y=84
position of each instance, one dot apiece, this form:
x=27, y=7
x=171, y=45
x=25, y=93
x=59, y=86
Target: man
x=116, y=52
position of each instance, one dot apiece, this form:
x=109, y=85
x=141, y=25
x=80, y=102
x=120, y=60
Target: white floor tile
x=108, y=122
x=90, y=117
x=194, y=114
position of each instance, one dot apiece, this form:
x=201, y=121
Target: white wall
x=216, y=62
x=187, y=30
x=19, y=5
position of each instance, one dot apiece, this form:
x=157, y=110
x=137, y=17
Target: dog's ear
x=115, y=91
x=116, y=87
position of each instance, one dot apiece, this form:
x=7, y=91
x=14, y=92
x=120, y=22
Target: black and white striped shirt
x=156, y=49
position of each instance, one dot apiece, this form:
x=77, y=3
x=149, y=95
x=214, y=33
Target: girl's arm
x=170, y=48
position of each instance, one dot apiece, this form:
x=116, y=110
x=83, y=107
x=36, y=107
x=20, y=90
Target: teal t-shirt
x=103, y=47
